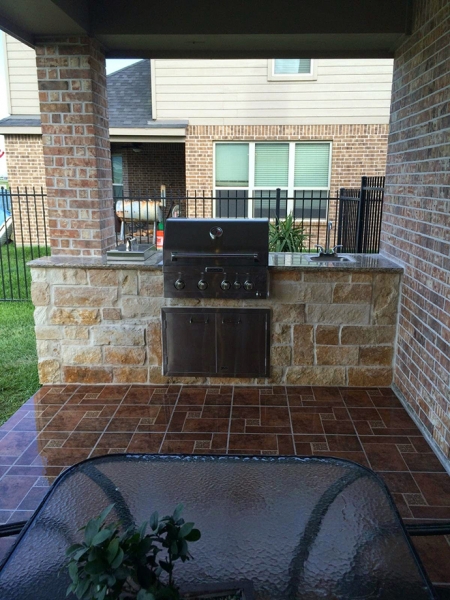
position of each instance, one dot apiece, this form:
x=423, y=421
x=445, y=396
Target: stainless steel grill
x=216, y=258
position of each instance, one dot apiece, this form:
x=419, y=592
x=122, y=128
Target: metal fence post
x=277, y=206
x=361, y=216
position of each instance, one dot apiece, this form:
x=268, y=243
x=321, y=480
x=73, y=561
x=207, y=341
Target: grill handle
x=177, y=255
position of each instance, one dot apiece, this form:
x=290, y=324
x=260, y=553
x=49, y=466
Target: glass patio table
x=304, y=528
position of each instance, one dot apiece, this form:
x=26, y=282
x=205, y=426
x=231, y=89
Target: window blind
x=116, y=163
x=232, y=165
x=271, y=165
x=292, y=66
x=312, y=165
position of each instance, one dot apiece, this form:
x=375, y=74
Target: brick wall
x=416, y=222
x=357, y=150
x=75, y=137
x=104, y=325
x=157, y=164
x=26, y=170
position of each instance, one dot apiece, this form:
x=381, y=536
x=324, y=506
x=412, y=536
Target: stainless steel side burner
x=216, y=258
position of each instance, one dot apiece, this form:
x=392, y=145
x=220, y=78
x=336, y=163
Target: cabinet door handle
x=192, y=321
x=231, y=321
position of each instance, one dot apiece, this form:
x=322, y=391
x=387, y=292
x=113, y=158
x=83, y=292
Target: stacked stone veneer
x=103, y=326
x=26, y=174
x=416, y=215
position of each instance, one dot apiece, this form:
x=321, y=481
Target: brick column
x=75, y=137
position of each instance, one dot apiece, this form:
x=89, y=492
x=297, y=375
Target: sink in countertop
x=331, y=258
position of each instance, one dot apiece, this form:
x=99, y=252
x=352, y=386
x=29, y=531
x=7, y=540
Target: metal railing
x=138, y=215
x=23, y=237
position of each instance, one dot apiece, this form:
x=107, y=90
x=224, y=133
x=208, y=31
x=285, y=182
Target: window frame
x=116, y=185
x=290, y=188
x=272, y=76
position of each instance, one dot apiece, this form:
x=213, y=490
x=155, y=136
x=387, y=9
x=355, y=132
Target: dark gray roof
x=129, y=96
x=19, y=122
x=129, y=101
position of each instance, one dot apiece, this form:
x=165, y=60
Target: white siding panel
x=22, y=77
x=226, y=92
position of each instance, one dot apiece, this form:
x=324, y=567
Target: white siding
x=237, y=92
x=22, y=88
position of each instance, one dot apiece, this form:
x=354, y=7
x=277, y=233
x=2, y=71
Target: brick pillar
x=75, y=137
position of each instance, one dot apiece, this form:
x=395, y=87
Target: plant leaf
x=118, y=559
x=102, y=516
x=177, y=512
x=111, y=551
x=186, y=529
x=154, y=520
x=90, y=531
x=101, y=536
x=193, y=536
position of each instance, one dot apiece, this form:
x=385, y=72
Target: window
x=247, y=176
x=291, y=69
x=117, y=175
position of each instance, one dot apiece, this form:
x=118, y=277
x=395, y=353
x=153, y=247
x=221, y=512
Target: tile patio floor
x=62, y=425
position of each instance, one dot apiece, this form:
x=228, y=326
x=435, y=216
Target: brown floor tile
x=4, y=517
x=15, y=442
x=301, y=390
x=386, y=402
x=306, y=423
x=357, y=398
x=192, y=396
x=394, y=431
x=357, y=457
x=286, y=445
x=383, y=439
x=273, y=400
x=255, y=442
x=341, y=413
x=219, y=399
x=385, y=457
x=435, y=555
x=177, y=447
x=435, y=487
x=363, y=428
x=420, y=444
x=210, y=425
x=327, y=393
x=245, y=412
x=422, y=462
x=245, y=396
x=431, y=513
x=216, y=412
x=31, y=424
x=123, y=424
x=396, y=418
x=65, y=421
x=13, y=489
x=116, y=392
x=138, y=395
x=137, y=410
x=33, y=498
x=81, y=440
x=93, y=424
x=275, y=416
x=145, y=442
x=61, y=457
x=343, y=443
x=400, y=482
x=364, y=414
x=114, y=440
x=339, y=427
x=27, y=471
x=402, y=506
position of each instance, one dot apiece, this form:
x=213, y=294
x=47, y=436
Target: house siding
x=237, y=92
x=21, y=75
x=416, y=221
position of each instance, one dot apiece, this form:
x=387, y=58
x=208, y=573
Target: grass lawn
x=18, y=358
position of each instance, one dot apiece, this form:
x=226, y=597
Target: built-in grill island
x=216, y=258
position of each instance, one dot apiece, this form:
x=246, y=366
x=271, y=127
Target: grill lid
x=216, y=241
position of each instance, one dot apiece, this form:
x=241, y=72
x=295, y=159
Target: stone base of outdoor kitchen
x=331, y=325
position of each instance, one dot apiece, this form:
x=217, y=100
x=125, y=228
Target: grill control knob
x=237, y=285
x=202, y=285
x=179, y=284
x=225, y=285
x=248, y=285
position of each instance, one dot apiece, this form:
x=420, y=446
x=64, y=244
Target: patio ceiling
x=207, y=29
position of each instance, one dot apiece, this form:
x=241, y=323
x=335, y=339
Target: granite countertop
x=278, y=261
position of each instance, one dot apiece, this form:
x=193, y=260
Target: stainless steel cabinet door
x=243, y=343
x=189, y=343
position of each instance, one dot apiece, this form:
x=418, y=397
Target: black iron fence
x=360, y=213
x=140, y=215
x=23, y=237
x=356, y=216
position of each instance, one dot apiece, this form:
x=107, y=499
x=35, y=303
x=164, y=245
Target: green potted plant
x=284, y=236
x=112, y=564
